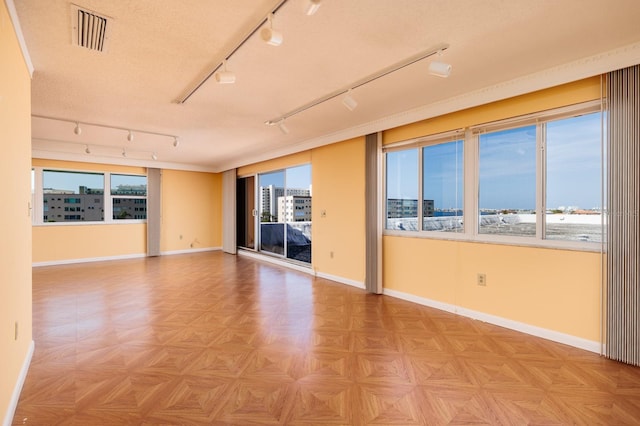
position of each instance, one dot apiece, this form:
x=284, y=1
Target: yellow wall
x=558, y=290
x=52, y=243
x=191, y=219
x=15, y=244
x=279, y=163
x=338, y=189
x=337, y=177
x=555, y=97
x=191, y=210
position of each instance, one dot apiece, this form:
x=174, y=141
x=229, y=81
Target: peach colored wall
x=191, y=210
x=337, y=177
x=554, y=97
x=54, y=243
x=279, y=163
x=191, y=219
x=558, y=290
x=15, y=217
x=338, y=189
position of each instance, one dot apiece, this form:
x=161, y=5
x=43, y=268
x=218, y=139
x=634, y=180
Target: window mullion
x=420, y=200
x=470, y=209
x=541, y=181
x=38, y=192
x=108, y=199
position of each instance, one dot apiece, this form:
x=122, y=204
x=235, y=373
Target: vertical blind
x=623, y=227
x=229, y=244
x=373, y=235
x=154, y=208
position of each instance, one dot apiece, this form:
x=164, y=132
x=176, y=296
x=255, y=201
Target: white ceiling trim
x=587, y=67
x=13, y=14
x=120, y=161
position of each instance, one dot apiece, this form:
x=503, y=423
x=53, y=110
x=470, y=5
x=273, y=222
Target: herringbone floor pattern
x=215, y=339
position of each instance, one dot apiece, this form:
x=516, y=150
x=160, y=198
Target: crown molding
x=13, y=14
x=622, y=57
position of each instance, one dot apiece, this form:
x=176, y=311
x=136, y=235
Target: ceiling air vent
x=90, y=29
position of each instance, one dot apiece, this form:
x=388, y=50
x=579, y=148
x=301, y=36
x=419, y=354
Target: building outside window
x=63, y=188
x=129, y=196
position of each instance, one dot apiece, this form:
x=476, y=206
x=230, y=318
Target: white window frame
x=471, y=180
x=38, y=207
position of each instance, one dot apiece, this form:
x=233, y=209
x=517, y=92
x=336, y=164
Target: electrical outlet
x=482, y=280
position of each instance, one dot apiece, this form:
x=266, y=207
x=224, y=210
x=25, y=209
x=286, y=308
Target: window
x=530, y=180
x=128, y=193
x=81, y=196
x=402, y=190
x=507, y=189
x=573, y=179
x=442, y=187
x=84, y=187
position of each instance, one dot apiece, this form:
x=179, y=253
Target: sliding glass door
x=274, y=216
x=246, y=212
x=296, y=206
x=272, y=229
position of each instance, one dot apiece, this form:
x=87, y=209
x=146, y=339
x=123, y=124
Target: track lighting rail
x=128, y=130
x=259, y=25
x=383, y=72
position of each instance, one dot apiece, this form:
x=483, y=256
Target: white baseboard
x=301, y=268
x=89, y=259
x=341, y=280
x=15, y=396
x=276, y=261
x=121, y=257
x=189, y=250
x=555, y=336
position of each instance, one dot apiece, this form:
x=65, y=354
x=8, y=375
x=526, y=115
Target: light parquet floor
x=215, y=339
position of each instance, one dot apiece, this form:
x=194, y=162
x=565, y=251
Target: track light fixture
x=283, y=128
x=124, y=152
x=154, y=156
x=439, y=69
x=225, y=77
x=269, y=35
x=176, y=141
x=349, y=102
x=311, y=7
x=78, y=130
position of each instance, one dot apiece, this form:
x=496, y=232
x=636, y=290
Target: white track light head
x=349, y=102
x=312, y=6
x=440, y=69
x=283, y=128
x=77, y=130
x=269, y=35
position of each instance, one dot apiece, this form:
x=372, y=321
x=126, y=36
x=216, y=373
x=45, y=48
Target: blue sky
x=507, y=172
x=72, y=181
x=297, y=177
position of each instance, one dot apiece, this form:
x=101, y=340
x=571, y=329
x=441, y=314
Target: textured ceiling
x=160, y=49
